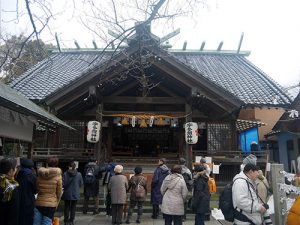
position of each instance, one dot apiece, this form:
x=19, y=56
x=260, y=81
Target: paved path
x=100, y=219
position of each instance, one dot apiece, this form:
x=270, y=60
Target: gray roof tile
x=231, y=72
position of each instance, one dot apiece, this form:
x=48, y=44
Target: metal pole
x=278, y=178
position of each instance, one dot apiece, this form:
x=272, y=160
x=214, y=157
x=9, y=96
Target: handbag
x=139, y=190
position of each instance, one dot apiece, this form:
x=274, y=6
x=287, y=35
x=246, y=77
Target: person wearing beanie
x=250, y=209
x=118, y=186
x=27, y=188
x=138, y=192
x=206, y=166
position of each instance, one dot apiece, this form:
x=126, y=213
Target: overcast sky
x=271, y=32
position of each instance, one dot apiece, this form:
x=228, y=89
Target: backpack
x=139, y=190
x=188, y=181
x=226, y=202
x=212, y=185
x=90, y=177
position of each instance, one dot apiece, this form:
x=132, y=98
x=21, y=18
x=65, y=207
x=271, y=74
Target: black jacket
x=27, y=190
x=201, y=195
x=10, y=211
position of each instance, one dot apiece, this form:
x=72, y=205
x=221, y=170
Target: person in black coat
x=9, y=193
x=201, y=195
x=91, y=189
x=27, y=189
x=72, y=181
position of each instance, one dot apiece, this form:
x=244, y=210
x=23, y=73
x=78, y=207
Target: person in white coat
x=174, y=193
x=250, y=210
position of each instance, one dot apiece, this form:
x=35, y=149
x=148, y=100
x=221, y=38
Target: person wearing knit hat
x=118, y=187
x=27, y=179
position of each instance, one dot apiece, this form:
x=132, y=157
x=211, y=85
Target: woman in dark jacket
x=138, y=186
x=72, y=181
x=201, y=195
x=9, y=193
x=27, y=189
x=158, y=177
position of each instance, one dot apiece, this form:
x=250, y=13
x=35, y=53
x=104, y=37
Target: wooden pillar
x=109, y=139
x=188, y=148
x=98, y=153
x=278, y=178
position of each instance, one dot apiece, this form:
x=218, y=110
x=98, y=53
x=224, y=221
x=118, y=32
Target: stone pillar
x=278, y=178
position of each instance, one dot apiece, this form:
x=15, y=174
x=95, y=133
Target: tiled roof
x=15, y=101
x=232, y=72
x=54, y=73
x=237, y=75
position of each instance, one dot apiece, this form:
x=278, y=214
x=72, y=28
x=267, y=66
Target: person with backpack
x=248, y=208
x=159, y=175
x=201, y=195
x=27, y=187
x=72, y=181
x=188, y=178
x=138, y=191
x=92, y=174
x=118, y=186
x=9, y=193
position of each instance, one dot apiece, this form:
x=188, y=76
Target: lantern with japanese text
x=191, y=133
x=93, y=131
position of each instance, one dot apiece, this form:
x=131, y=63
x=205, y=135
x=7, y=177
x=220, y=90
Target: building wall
x=269, y=116
x=283, y=152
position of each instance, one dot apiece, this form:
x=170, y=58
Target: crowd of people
x=30, y=196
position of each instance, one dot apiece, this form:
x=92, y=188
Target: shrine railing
x=62, y=153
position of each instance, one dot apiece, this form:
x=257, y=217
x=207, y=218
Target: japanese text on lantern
x=191, y=133
x=93, y=131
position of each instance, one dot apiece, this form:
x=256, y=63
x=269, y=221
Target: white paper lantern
x=133, y=121
x=93, y=131
x=191, y=133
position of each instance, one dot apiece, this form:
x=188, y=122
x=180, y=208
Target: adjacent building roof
x=15, y=101
x=230, y=71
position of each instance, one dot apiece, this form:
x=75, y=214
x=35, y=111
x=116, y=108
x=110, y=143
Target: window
x=219, y=137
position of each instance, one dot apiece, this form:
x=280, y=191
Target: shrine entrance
x=162, y=141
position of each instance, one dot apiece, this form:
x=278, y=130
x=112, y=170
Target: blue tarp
x=247, y=137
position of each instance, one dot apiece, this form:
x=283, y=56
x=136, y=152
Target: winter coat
x=262, y=188
x=133, y=182
x=92, y=190
x=10, y=210
x=49, y=187
x=158, y=177
x=174, y=193
x=201, y=195
x=72, y=181
x=27, y=190
x=294, y=214
x=109, y=172
x=245, y=198
x=118, y=186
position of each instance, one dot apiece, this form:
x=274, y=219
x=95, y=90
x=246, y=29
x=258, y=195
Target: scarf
x=7, y=186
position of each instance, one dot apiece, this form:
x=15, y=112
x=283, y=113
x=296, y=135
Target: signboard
x=191, y=133
x=93, y=131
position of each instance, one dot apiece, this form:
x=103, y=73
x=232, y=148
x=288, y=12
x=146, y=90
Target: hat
x=203, y=160
x=250, y=159
x=199, y=168
x=118, y=169
x=27, y=163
